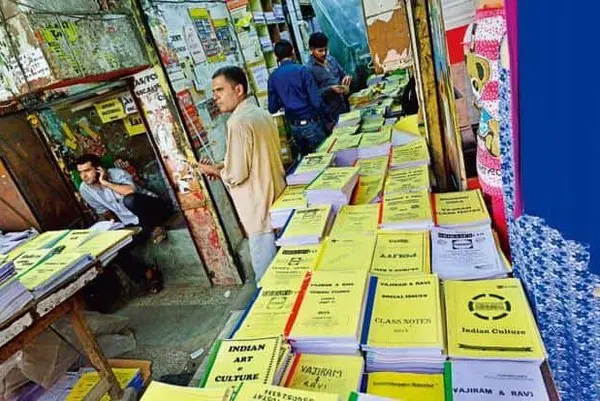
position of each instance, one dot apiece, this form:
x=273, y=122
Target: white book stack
x=334, y=186
x=375, y=144
x=413, y=154
x=291, y=199
x=13, y=295
x=10, y=241
x=345, y=149
x=307, y=226
x=309, y=168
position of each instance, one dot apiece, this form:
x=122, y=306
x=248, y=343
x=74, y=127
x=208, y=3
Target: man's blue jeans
x=308, y=137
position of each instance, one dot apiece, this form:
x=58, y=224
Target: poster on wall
x=206, y=32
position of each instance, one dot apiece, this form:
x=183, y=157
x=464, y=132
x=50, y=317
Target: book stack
x=460, y=209
x=403, y=330
x=158, y=391
x=407, y=211
x=344, y=131
x=345, y=149
x=372, y=173
x=406, y=131
x=407, y=386
x=334, y=186
x=232, y=362
x=413, y=154
x=106, y=245
x=339, y=254
x=350, y=119
x=407, y=180
x=336, y=374
x=401, y=253
x=363, y=219
x=45, y=240
x=290, y=265
x=307, y=226
x=14, y=297
x=373, y=124
x=253, y=391
x=491, y=320
x=126, y=377
x=327, y=316
x=375, y=144
x=327, y=144
x=309, y=168
x=12, y=240
x=292, y=198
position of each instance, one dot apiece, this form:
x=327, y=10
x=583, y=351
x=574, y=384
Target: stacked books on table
x=372, y=173
x=345, y=149
x=375, y=144
x=405, y=131
x=105, y=245
x=413, y=154
x=340, y=254
x=350, y=119
x=126, y=377
x=460, y=209
x=45, y=240
x=158, y=391
x=307, y=226
x=309, y=168
x=13, y=294
x=401, y=253
x=11, y=240
x=292, y=198
x=334, y=186
x=356, y=219
x=407, y=386
x=403, y=330
x=372, y=124
x=407, y=180
x=327, y=317
x=407, y=211
x=290, y=265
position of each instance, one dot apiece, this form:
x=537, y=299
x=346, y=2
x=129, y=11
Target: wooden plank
x=48, y=304
x=17, y=326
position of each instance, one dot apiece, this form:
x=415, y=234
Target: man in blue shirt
x=292, y=87
x=330, y=77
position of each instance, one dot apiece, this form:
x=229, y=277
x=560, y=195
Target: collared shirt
x=252, y=170
x=327, y=75
x=103, y=199
x=292, y=86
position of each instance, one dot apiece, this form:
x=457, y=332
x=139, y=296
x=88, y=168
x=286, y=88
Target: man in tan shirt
x=252, y=169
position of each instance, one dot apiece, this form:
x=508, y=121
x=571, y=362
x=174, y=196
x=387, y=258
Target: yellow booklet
x=408, y=179
x=334, y=178
x=269, y=312
x=343, y=131
x=491, y=319
x=76, y=238
x=89, y=380
x=308, y=222
x=346, y=142
x=49, y=268
x=314, y=162
x=336, y=374
x=340, y=254
x=375, y=166
x=465, y=208
x=403, y=210
x=31, y=258
x=46, y=239
x=408, y=124
x=158, y=391
x=412, y=154
x=291, y=198
x=350, y=220
x=373, y=139
x=235, y=361
x=407, y=386
x=369, y=189
x=252, y=391
x=290, y=265
x=405, y=313
x=401, y=252
x=104, y=241
x=327, y=144
x=331, y=306
x=352, y=115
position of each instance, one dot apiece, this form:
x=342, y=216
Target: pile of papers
x=399, y=253
x=104, y=246
x=460, y=209
x=373, y=124
x=413, y=154
x=10, y=241
x=406, y=131
x=14, y=297
x=375, y=144
x=307, y=226
x=126, y=377
x=346, y=149
x=407, y=386
x=45, y=240
x=309, y=168
x=350, y=119
x=356, y=219
x=404, y=330
x=327, y=318
x=292, y=198
x=157, y=391
x=372, y=173
x=407, y=180
x=407, y=211
x=340, y=254
x=334, y=186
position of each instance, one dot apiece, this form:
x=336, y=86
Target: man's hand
x=347, y=80
x=102, y=176
x=207, y=167
x=339, y=89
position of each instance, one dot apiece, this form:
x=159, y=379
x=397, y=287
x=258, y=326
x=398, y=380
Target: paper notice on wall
x=134, y=125
x=260, y=75
x=35, y=65
x=193, y=44
x=128, y=104
x=110, y=110
x=375, y=7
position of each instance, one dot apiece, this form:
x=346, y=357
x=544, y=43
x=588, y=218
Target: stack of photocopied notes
x=292, y=198
x=307, y=226
x=309, y=168
x=13, y=294
x=12, y=240
x=90, y=378
x=345, y=149
x=375, y=144
x=413, y=154
x=334, y=186
x=158, y=391
x=407, y=211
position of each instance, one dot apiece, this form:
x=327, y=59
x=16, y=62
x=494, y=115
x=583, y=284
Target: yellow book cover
x=314, y=162
x=292, y=198
x=346, y=142
x=158, y=391
x=408, y=179
x=413, y=153
x=406, y=313
x=408, y=124
x=331, y=306
x=334, y=178
x=375, y=166
x=75, y=238
x=253, y=391
x=327, y=144
x=46, y=239
x=407, y=207
x=89, y=380
x=31, y=258
x=373, y=139
x=368, y=189
x=460, y=208
x=343, y=131
x=336, y=374
x=352, y=115
x=104, y=241
x=401, y=252
x=235, y=361
x=290, y=265
x=406, y=386
x=491, y=319
x=269, y=313
x=49, y=268
x=308, y=221
x=356, y=219
x=340, y=254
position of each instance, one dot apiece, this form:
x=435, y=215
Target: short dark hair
x=234, y=75
x=283, y=49
x=318, y=40
x=88, y=158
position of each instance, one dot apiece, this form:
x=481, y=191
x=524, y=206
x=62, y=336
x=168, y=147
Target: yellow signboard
x=110, y=110
x=134, y=125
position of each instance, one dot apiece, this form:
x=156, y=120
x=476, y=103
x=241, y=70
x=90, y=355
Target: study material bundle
x=407, y=211
x=14, y=297
x=343, y=131
x=466, y=254
x=375, y=144
x=374, y=166
x=252, y=391
x=406, y=386
x=126, y=377
x=372, y=173
x=491, y=320
x=401, y=253
x=460, y=209
x=290, y=265
x=373, y=124
x=406, y=130
x=345, y=149
x=333, y=186
x=309, y=168
x=106, y=245
x=407, y=180
x=336, y=374
x=349, y=119
x=158, y=391
x=12, y=240
x=242, y=361
x=340, y=254
x=292, y=198
x=327, y=316
x=403, y=329
x=494, y=381
x=413, y=154
x=307, y=226
x=45, y=240
x=353, y=219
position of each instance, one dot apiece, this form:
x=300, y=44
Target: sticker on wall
x=206, y=33
x=110, y=110
x=194, y=45
x=134, y=125
x=128, y=104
